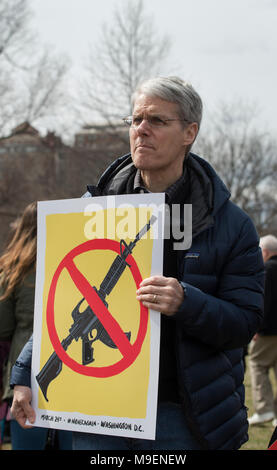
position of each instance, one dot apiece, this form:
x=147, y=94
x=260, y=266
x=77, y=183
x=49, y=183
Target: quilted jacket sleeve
x=21, y=371
x=230, y=318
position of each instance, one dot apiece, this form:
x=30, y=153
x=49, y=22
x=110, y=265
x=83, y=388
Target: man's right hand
x=21, y=408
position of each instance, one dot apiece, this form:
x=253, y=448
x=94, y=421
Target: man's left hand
x=160, y=293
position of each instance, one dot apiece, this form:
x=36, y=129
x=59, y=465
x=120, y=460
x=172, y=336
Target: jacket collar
x=115, y=176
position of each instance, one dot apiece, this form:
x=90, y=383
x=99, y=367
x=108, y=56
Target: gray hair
x=177, y=91
x=269, y=242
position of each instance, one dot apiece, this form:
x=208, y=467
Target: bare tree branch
x=31, y=78
x=129, y=51
x=245, y=156
x=15, y=34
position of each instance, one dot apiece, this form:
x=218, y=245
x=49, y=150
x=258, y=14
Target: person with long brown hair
x=17, y=291
x=19, y=258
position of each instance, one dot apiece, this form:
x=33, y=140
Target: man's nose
x=144, y=127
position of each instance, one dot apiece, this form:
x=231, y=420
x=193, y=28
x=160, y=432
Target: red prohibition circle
x=130, y=352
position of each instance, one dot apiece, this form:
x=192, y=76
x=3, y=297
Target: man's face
x=159, y=149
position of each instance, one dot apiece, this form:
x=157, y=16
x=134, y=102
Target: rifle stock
x=49, y=372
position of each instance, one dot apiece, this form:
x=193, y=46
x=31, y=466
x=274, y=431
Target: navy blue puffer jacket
x=223, y=273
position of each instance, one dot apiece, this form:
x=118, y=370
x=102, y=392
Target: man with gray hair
x=263, y=347
x=210, y=296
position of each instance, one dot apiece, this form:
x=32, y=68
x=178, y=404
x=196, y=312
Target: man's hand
x=21, y=408
x=163, y=294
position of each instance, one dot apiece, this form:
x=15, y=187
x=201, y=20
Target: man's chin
x=142, y=161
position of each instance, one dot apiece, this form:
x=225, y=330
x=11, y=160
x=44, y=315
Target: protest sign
x=96, y=347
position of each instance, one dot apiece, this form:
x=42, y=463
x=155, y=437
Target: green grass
x=259, y=436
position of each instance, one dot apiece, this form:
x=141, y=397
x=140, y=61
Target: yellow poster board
x=96, y=348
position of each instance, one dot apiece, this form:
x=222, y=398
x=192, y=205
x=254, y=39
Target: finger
x=23, y=411
x=22, y=419
x=155, y=281
x=148, y=297
x=151, y=306
x=161, y=303
x=150, y=290
x=30, y=413
x=18, y=414
x=162, y=307
x=168, y=291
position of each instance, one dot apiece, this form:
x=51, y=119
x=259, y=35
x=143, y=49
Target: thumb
x=29, y=412
x=24, y=415
x=21, y=408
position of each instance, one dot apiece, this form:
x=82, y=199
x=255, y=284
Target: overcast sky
x=226, y=48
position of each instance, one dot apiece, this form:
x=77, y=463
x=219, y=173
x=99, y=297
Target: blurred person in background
x=263, y=347
x=17, y=290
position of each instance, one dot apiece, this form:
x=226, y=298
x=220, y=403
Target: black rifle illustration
x=85, y=322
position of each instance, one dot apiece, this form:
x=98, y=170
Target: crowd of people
x=215, y=298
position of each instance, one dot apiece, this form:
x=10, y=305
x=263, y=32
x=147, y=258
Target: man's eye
x=137, y=120
x=156, y=121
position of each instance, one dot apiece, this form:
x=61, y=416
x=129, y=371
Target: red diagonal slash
x=273, y=446
x=100, y=310
x=129, y=351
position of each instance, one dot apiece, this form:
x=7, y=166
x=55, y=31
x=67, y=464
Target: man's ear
x=190, y=133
